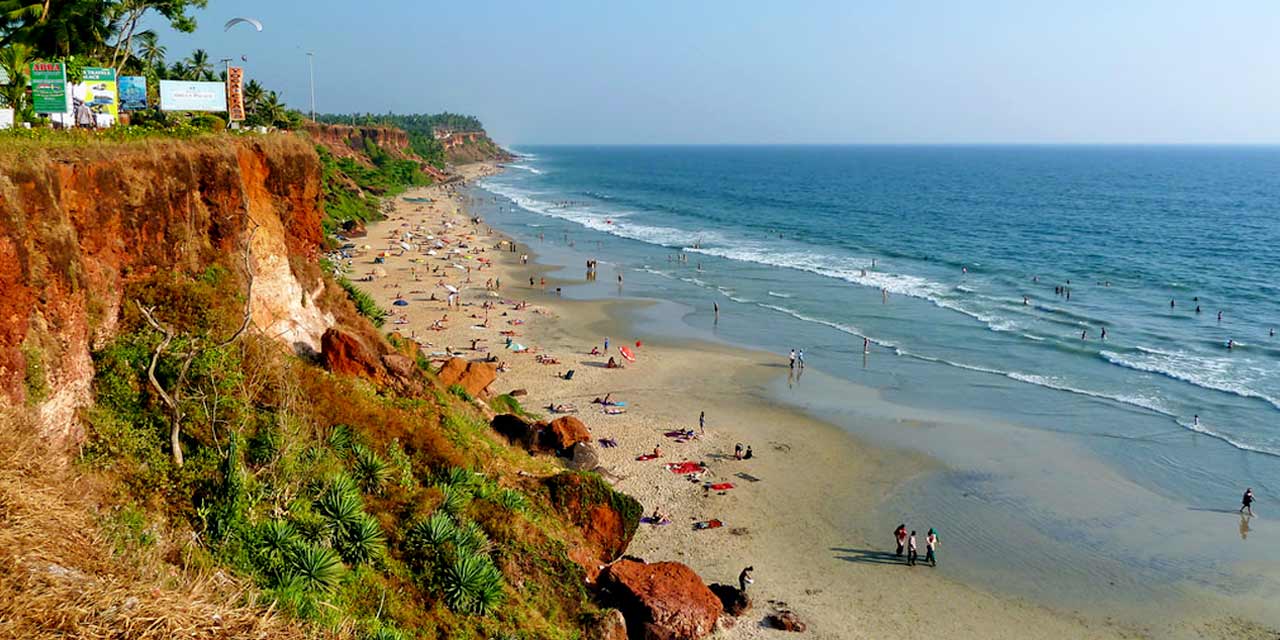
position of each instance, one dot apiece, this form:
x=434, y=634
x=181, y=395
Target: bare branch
x=248, y=292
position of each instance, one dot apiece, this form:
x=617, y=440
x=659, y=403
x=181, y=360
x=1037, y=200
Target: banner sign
x=133, y=93
x=181, y=95
x=235, y=97
x=49, y=88
x=98, y=92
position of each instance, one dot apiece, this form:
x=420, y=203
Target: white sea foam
x=1218, y=374
x=779, y=295
x=528, y=168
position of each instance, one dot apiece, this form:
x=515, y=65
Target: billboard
x=49, y=88
x=133, y=93
x=98, y=92
x=235, y=97
x=181, y=95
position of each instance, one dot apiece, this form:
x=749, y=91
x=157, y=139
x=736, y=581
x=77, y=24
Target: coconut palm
x=16, y=61
x=253, y=96
x=198, y=66
x=272, y=111
x=57, y=28
x=149, y=50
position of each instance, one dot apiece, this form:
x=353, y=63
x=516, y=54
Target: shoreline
x=812, y=475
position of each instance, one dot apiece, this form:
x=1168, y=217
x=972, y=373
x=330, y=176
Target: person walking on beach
x=702, y=422
x=792, y=358
x=800, y=358
x=716, y=307
x=1247, y=501
x=911, y=550
x=606, y=344
x=930, y=546
x=744, y=579
x=900, y=536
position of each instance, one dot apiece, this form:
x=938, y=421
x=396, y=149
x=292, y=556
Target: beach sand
x=788, y=512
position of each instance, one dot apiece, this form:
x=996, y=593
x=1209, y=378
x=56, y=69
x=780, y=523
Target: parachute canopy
x=235, y=21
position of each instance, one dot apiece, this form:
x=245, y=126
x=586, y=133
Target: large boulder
x=785, y=621
x=514, y=428
x=583, y=457
x=347, y=353
x=607, y=518
x=474, y=377
x=736, y=601
x=609, y=625
x=563, y=433
x=662, y=600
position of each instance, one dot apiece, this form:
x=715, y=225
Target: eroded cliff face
x=78, y=224
x=349, y=142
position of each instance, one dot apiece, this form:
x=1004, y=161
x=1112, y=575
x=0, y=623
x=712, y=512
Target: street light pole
x=311, y=67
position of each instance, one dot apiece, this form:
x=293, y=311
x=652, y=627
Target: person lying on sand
x=612, y=364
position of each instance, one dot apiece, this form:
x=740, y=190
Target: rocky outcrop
x=662, y=600
x=346, y=353
x=473, y=377
x=563, y=433
x=785, y=621
x=607, y=518
x=583, y=457
x=79, y=224
x=735, y=601
x=609, y=625
x=346, y=141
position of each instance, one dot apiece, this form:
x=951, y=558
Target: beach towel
x=722, y=486
x=646, y=457
x=650, y=520
x=677, y=434
x=684, y=467
x=707, y=524
x=614, y=411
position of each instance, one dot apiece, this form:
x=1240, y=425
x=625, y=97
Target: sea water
x=940, y=277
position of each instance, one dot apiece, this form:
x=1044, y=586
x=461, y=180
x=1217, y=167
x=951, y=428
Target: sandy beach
x=785, y=511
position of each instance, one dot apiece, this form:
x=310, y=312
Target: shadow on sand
x=868, y=556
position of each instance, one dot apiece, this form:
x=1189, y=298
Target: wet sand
x=789, y=512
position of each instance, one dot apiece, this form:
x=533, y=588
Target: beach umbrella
x=406, y=246
x=451, y=288
x=626, y=353
x=401, y=303
x=459, y=267
x=431, y=252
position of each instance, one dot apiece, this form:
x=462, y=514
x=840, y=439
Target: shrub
x=317, y=568
x=402, y=467
x=369, y=470
x=432, y=531
x=362, y=543
x=513, y=500
x=364, y=303
x=473, y=585
x=455, y=500
x=459, y=391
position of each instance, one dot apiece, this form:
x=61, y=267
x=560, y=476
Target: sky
x=808, y=72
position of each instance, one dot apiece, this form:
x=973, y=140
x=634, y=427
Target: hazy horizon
x=985, y=73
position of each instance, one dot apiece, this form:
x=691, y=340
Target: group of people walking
x=907, y=543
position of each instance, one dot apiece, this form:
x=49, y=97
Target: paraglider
x=235, y=21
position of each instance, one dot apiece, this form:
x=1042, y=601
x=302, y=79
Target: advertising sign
x=235, y=96
x=133, y=93
x=98, y=93
x=49, y=88
x=181, y=95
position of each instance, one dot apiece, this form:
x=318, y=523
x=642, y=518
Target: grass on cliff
x=355, y=192
x=346, y=508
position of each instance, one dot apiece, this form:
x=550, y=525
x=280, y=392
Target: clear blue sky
x=703, y=71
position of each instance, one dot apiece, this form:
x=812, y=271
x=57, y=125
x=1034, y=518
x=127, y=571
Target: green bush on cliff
x=364, y=302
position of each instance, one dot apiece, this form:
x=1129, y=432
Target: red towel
x=723, y=486
x=684, y=467
x=709, y=524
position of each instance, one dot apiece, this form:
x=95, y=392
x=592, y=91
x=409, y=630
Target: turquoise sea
x=1079, y=468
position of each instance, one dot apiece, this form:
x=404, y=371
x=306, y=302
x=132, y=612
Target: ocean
x=981, y=279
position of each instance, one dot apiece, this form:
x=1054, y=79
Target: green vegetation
x=353, y=191
x=35, y=378
x=364, y=302
x=422, y=129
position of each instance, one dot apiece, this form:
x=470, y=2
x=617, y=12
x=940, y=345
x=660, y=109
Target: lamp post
x=311, y=67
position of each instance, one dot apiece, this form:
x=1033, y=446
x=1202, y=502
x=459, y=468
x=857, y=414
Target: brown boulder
x=473, y=377
x=661, y=601
x=785, y=620
x=736, y=601
x=563, y=433
x=583, y=457
x=400, y=366
x=347, y=353
x=514, y=428
x=609, y=625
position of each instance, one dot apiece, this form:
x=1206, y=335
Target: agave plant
x=341, y=508
x=342, y=438
x=459, y=478
x=471, y=539
x=362, y=543
x=370, y=471
x=455, y=499
x=513, y=500
x=317, y=568
x=435, y=530
x=473, y=585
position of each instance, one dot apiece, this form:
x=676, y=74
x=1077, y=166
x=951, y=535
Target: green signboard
x=49, y=87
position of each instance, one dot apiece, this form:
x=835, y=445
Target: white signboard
x=180, y=95
x=6, y=118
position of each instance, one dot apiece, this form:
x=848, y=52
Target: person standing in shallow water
x=930, y=546
x=1247, y=501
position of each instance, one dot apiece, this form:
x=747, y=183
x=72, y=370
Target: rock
x=661, y=601
x=514, y=428
x=474, y=377
x=784, y=620
x=736, y=602
x=563, y=433
x=607, y=518
x=347, y=353
x=583, y=457
x=354, y=229
x=609, y=625
x=400, y=366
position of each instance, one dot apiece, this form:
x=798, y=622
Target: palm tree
x=272, y=111
x=253, y=94
x=176, y=71
x=198, y=66
x=149, y=50
x=15, y=59
x=57, y=28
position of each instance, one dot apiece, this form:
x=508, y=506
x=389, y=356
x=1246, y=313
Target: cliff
x=462, y=147
x=78, y=225
x=353, y=142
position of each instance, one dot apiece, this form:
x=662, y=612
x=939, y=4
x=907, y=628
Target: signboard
x=235, y=97
x=98, y=92
x=180, y=95
x=49, y=88
x=6, y=118
x=133, y=93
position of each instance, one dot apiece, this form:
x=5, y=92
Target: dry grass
x=60, y=579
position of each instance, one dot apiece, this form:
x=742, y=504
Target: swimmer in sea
x=1024, y=301
x=1084, y=335
x=1104, y=333
x=1230, y=344
x=1171, y=305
